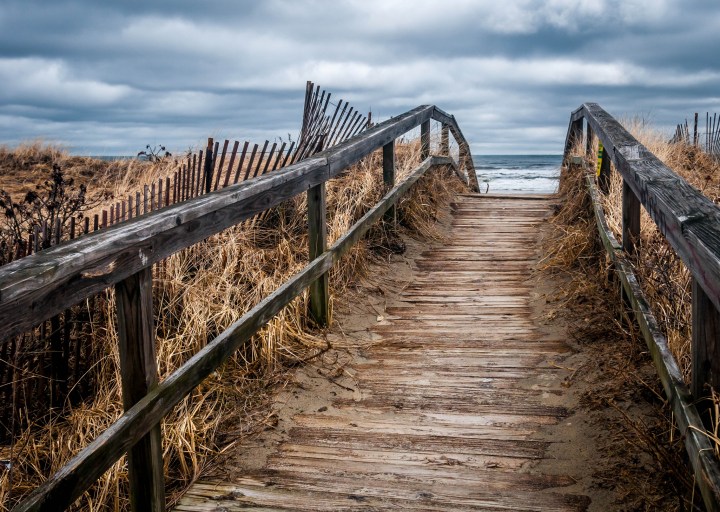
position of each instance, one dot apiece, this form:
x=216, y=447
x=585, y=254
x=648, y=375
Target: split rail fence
x=36, y=288
x=690, y=223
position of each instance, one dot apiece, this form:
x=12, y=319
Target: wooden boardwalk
x=452, y=399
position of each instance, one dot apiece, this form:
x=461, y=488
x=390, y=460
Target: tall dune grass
x=198, y=293
x=589, y=300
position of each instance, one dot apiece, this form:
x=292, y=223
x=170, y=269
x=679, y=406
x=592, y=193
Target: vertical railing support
x=389, y=176
x=317, y=229
x=630, y=219
x=138, y=369
x=425, y=140
x=603, y=173
x=445, y=140
x=589, y=139
x=574, y=135
x=705, y=348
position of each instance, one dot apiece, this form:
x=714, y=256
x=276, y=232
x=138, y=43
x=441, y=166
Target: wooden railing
x=690, y=222
x=37, y=287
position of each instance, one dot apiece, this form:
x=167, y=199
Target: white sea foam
x=518, y=173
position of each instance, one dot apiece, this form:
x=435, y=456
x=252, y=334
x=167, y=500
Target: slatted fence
x=39, y=287
x=41, y=366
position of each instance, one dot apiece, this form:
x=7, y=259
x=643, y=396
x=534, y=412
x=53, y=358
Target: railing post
x=630, y=219
x=389, y=176
x=574, y=135
x=603, y=172
x=317, y=230
x=138, y=369
x=705, y=347
x=589, y=138
x=424, y=140
x=445, y=140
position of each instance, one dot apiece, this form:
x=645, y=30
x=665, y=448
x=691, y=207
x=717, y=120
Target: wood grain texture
x=317, y=239
x=705, y=347
x=700, y=451
x=35, y=288
x=688, y=220
x=451, y=396
x=138, y=370
x=60, y=490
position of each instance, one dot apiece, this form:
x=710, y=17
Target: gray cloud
x=111, y=77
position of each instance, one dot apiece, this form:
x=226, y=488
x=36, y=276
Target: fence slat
x=242, y=161
x=260, y=159
x=233, y=155
x=220, y=165
x=269, y=157
x=250, y=163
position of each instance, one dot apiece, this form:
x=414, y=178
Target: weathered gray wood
x=445, y=140
x=65, y=486
x=425, y=140
x=589, y=140
x=604, y=175
x=352, y=150
x=687, y=219
x=705, y=346
x=574, y=134
x=138, y=369
x=345, y=242
x=389, y=175
x=69, y=483
x=699, y=449
x=465, y=152
x=317, y=236
x=44, y=284
x=630, y=219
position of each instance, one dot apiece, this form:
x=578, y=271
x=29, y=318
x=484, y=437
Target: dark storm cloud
x=106, y=77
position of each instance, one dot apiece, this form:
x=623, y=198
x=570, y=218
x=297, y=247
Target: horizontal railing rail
x=35, y=288
x=690, y=222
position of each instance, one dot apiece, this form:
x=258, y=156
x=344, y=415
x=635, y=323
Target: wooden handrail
x=33, y=289
x=690, y=222
x=37, y=287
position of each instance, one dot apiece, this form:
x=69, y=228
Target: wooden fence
x=709, y=141
x=690, y=223
x=56, y=357
x=38, y=287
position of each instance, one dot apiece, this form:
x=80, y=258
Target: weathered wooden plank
x=425, y=140
x=705, y=348
x=60, y=490
x=317, y=237
x=630, y=220
x=138, y=369
x=68, y=483
x=688, y=220
x=700, y=451
x=61, y=276
x=441, y=407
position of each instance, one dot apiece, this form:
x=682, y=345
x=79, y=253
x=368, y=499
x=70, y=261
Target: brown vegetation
x=198, y=293
x=640, y=432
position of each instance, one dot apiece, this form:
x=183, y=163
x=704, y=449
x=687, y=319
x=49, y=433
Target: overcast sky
x=109, y=77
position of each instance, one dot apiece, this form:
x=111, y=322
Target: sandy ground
x=595, y=445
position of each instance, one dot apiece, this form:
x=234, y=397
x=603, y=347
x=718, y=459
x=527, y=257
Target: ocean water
x=518, y=174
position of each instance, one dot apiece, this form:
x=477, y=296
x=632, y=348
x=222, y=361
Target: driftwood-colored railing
x=37, y=287
x=690, y=222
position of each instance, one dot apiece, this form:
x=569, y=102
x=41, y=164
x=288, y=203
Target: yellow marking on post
x=600, y=157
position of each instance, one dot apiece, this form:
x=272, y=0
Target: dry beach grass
x=635, y=418
x=198, y=293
